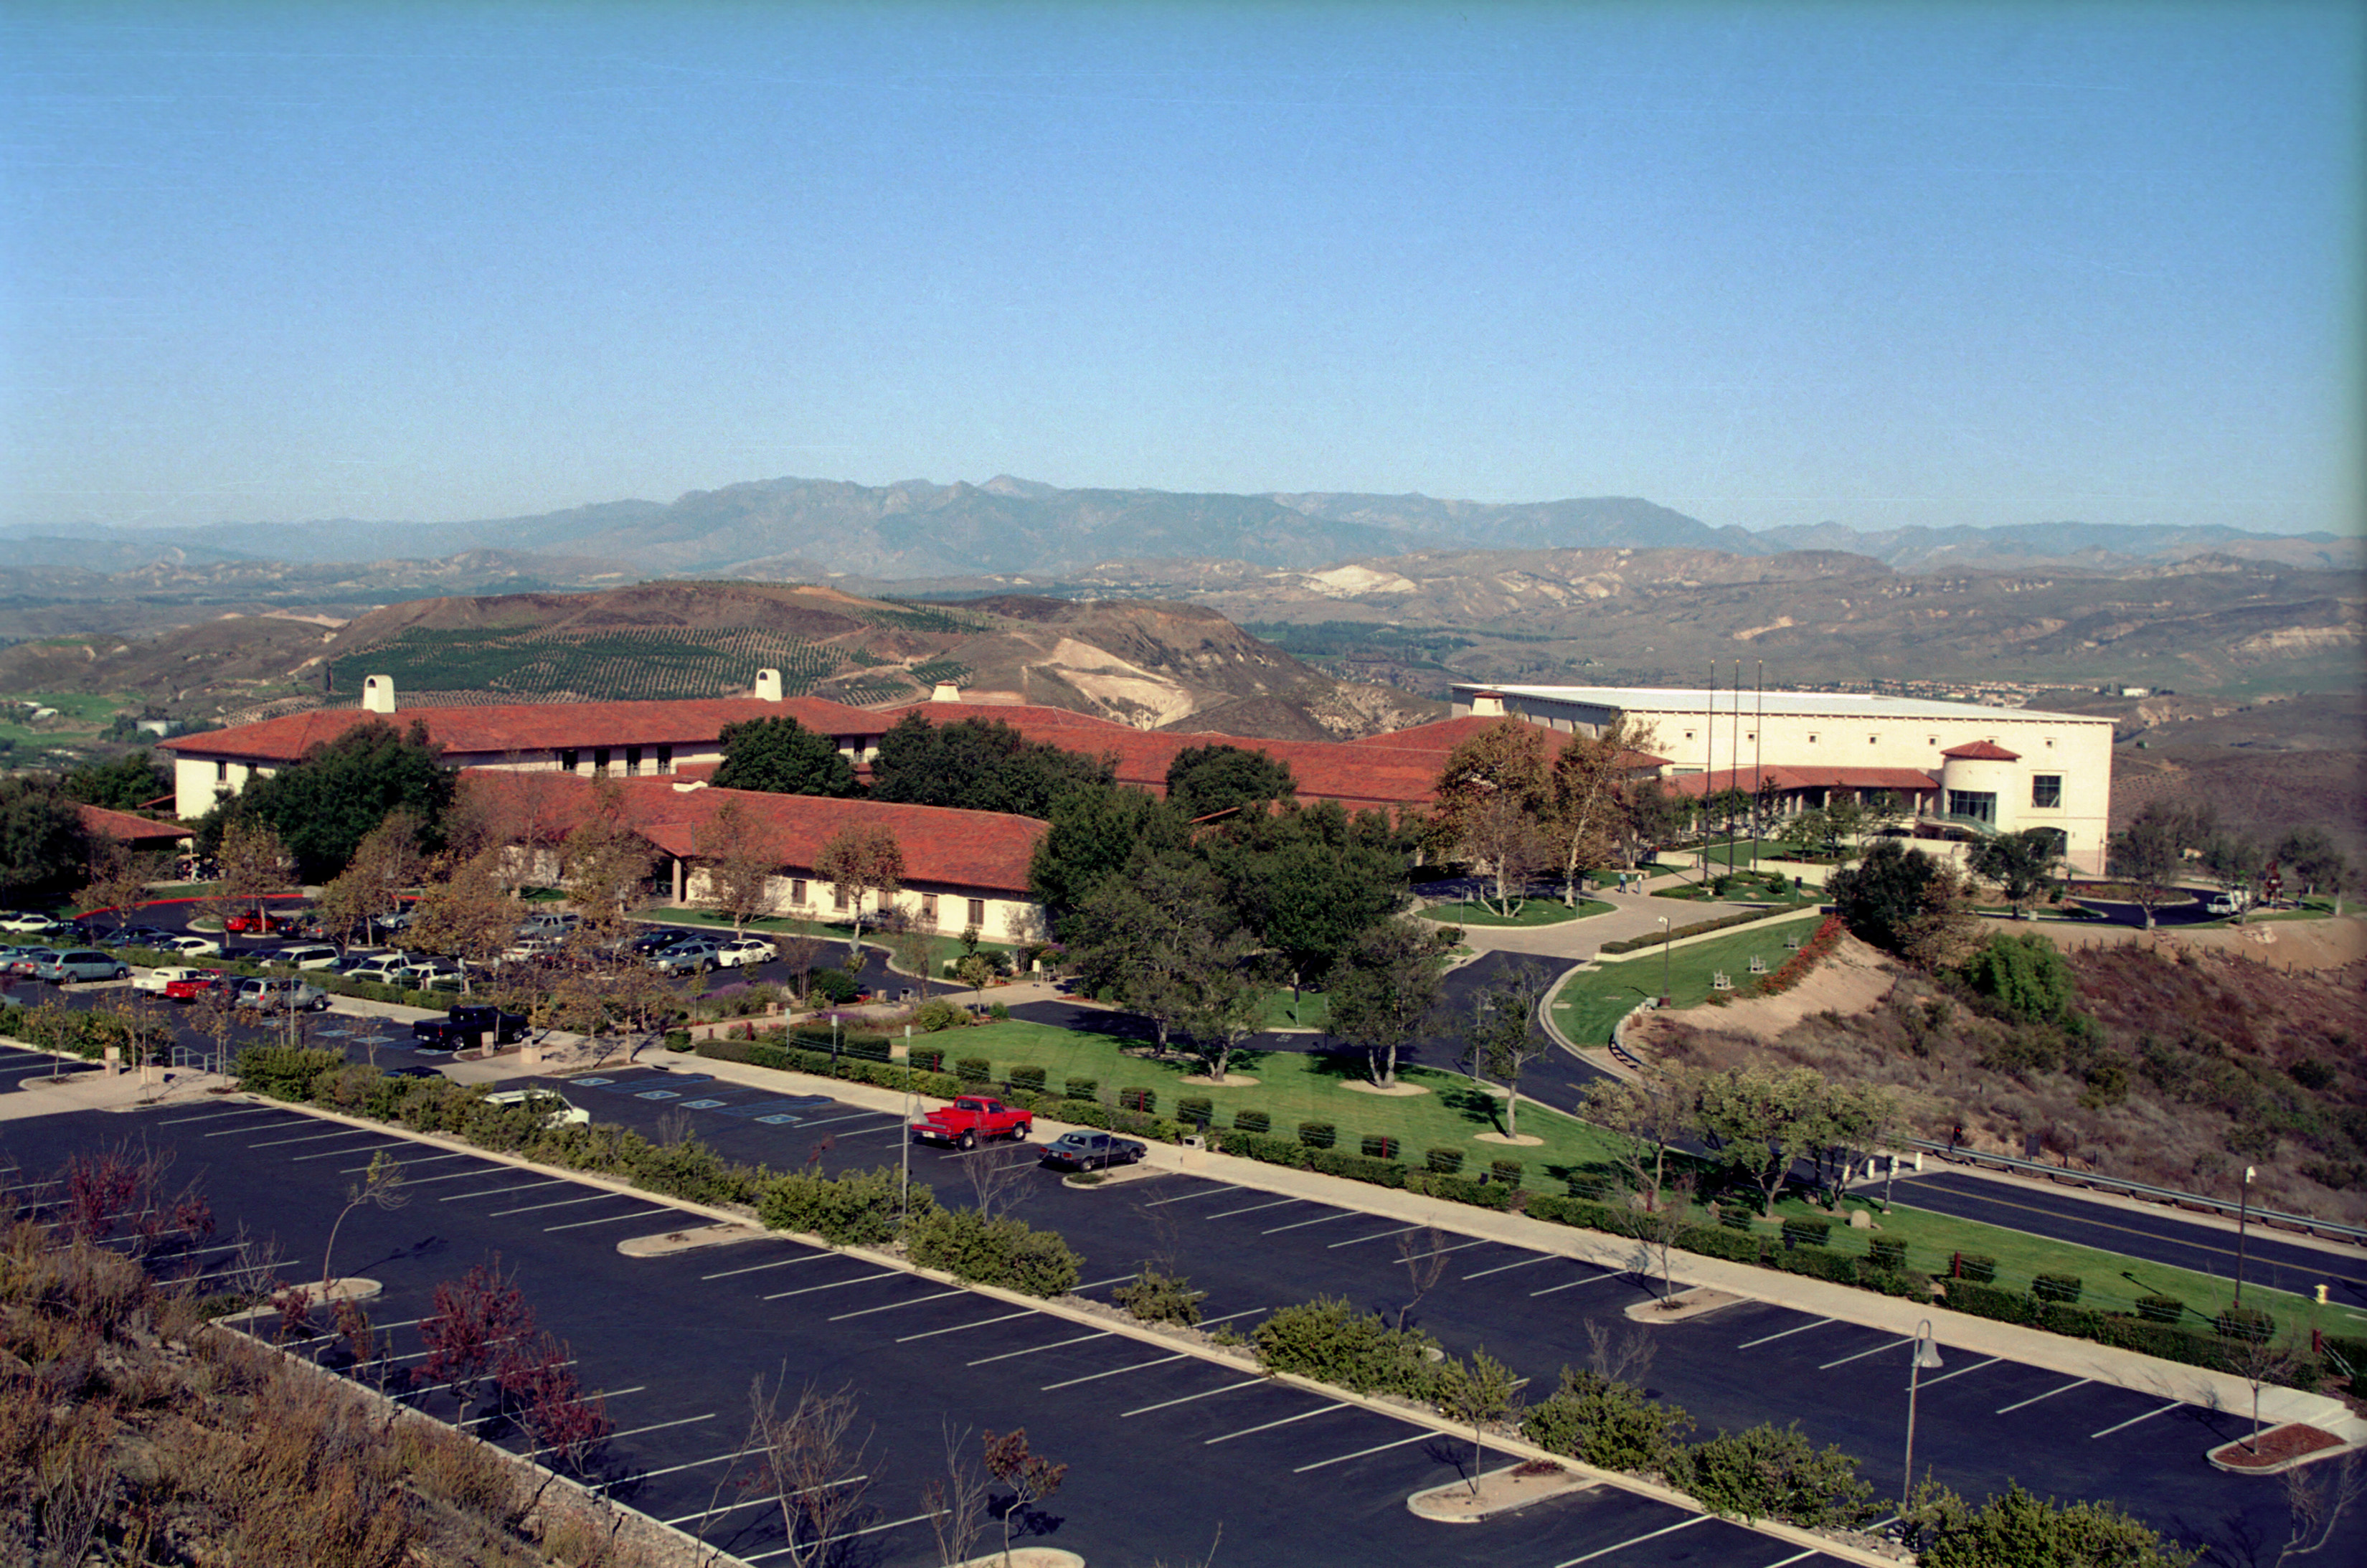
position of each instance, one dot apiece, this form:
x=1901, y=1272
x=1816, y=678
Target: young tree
x=1843, y=1127
x=1029, y=1477
x=2312, y=857
x=2151, y=853
x=2021, y=864
x=118, y=878
x=251, y=864
x=863, y=863
x=1423, y=1252
x=810, y=1463
x=1653, y=1115
x=781, y=757
x=382, y=1187
x=468, y=1322
x=386, y=861
x=1385, y=991
x=1505, y=1038
x=956, y=1499
x=1764, y=1123
x=1587, y=814
x=1476, y=1392
x=537, y=1379
x=741, y=864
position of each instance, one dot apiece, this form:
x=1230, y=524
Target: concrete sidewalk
x=1956, y=1331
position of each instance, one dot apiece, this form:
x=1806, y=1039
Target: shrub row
x=1006, y=1252
x=1812, y=952
x=2164, y=1340
x=1699, y=927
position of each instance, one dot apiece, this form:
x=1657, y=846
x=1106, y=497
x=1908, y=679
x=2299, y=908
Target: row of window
x=973, y=912
x=605, y=758
x=1749, y=736
x=2045, y=791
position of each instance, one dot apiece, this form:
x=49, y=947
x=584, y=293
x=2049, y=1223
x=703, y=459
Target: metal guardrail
x=2328, y=1229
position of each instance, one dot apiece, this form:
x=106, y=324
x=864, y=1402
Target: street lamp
x=1664, y=959
x=1926, y=1360
x=2243, y=1211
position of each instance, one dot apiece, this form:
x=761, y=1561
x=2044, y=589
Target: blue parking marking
x=591, y=1082
x=760, y=1109
x=657, y=1095
x=702, y=1104
x=780, y=1121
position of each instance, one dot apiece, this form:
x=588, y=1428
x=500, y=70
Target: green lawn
x=1595, y=998
x=1312, y=1011
x=1292, y=1087
x=1528, y=911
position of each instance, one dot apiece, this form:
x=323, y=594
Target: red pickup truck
x=970, y=1119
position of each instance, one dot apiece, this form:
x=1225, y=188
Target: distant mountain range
x=812, y=528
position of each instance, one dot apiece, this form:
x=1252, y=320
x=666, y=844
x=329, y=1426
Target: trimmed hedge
x=1509, y=1172
x=1698, y=927
x=2063, y=1288
x=1082, y=1089
x=1144, y=1100
x=1807, y=1232
x=1252, y=1122
x=2160, y=1309
x=1196, y=1107
x=1317, y=1135
x=1027, y=1078
x=1447, y=1162
x=1976, y=1267
x=1378, y=1147
x=973, y=1070
x=1887, y=1254
x=2164, y=1340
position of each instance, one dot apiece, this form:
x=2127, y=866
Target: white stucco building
x=1998, y=770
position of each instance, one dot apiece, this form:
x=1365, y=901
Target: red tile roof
x=1906, y=780
x=984, y=850
x=1983, y=751
x=530, y=726
x=100, y=821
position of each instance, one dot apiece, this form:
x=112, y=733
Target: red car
x=259, y=922
x=190, y=987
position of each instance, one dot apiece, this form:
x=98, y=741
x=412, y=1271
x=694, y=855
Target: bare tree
x=861, y=863
x=1628, y=1358
x=1029, y=1476
x=379, y=1186
x=957, y=1499
x=809, y=1463
x=1001, y=1177
x=1504, y=1040
x=120, y=878
x=1658, y=1229
x=1500, y=834
x=2317, y=1496
x=740, y=861
x=1424, y=1252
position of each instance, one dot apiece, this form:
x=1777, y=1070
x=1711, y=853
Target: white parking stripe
x=315, y=1138
x=502, y=1191
x=1253, y=1208
x=1318, y=1220
x=1573, y=1284
x=339, y=1154
x=1188, y=1197
x=637, y=1431
x=850, y=1535
x=1032, y=1349
x=776, y=1263
x=1787, y=1561
x=893, y=1306
x=1637, y=1540
x=1377, y=1236
x=2050, y=1394
x=1772, y=1338
x=1113, y=1279
x=466, y=1176
x=836, y=1284
x=602, y=1393
x=1961, y=1371
x=1302, y=1415
x=1116, y=1371
x=1359, y=1453
x=1508, y=1268
x=1205, y=1393
x=675, y=1469
x=1863, y=1354
x=554, y=1203
x=425, y=1160
x=2173, y=1404
x=609, y=1219
x=851, y=1116
x=219, y=1115
x=931, y=1334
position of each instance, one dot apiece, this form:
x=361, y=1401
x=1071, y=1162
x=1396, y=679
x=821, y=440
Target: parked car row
x=62, y=966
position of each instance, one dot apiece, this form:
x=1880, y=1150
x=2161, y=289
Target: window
x=2046, y=790
x=1980, y=805
x=632, y=761
x=222, y=772
x=1930, y=740
x=1873, y=740
x=1752, y=735
x=837, y=897
x=665, y=758
x=796, y=889
x=978, y=912
x=2050, y=742
x=1812, y=737
x=600, y=762
x=567, y=762
x=1689, y=734
x=928, y=909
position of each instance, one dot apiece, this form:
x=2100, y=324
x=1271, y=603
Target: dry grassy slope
x=2261, y=794
x=212, y=667
x=2223, y=1031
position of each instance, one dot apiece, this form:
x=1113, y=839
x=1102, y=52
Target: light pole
x=1664, y=961
x=2243, y=1213
x=1926, y=1360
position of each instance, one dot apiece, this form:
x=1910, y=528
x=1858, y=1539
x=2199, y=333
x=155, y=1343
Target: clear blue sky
x=1879, y=264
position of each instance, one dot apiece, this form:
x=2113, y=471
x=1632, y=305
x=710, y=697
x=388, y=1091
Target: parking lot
x=1165, y=1449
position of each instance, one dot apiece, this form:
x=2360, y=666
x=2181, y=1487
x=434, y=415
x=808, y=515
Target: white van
x=566, y=1114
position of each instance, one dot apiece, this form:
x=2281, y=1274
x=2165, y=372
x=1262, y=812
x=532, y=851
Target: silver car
x=80, y=963
x=272, y=994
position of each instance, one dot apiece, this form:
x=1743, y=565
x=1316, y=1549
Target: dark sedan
x=1091, y=1150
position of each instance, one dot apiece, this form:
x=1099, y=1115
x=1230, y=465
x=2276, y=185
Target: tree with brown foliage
x=741, y=864
x=251, y=865
x=1587, y=813
x=468, y=1322
x=118, y=878
x=864, y=863
x=1029, y=1476
x=386, y=861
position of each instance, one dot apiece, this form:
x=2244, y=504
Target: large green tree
x=323, y=806
x=1093, y=836
x=1386, y=987
x=2150, y=852
x=43, y=849
x=2308, y=855
x=1308, y=882
x=126, y=784
x=781, y=757
x=1158, y=940
x=1883, y=896
x=1205, y=781
x=2021, y=864
x=980, y=765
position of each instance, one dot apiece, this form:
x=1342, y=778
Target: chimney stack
x=378, y=694
x=768, y=687
x=946, y=691
x=1486, y=705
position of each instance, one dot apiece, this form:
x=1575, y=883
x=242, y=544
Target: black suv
x=466, y=1026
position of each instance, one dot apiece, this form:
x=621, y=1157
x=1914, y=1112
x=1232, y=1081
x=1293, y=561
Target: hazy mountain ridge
x=917, y=529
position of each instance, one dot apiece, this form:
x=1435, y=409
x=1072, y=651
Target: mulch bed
x=2278, y=1445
